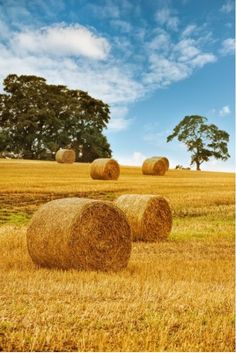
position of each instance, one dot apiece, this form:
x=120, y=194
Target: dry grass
x=174, y=296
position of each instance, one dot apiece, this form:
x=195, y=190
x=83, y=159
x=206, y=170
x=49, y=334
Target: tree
x=202, y=140
x=36, y=119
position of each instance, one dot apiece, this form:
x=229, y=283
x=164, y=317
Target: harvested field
x=176, y=295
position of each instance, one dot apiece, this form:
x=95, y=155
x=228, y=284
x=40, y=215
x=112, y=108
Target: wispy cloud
x=228, y=46
x=166, y=17
x=189, y=30
x=228, y=6
x=224, y=111
x=108, y=10
x=171, y=62
x=123, y=26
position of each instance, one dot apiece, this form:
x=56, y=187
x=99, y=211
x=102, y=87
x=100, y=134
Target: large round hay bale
x=154, y=166
x=105, y=169
x=149, y=216
x=79, y=233
x=65, y=156
x=166, y=160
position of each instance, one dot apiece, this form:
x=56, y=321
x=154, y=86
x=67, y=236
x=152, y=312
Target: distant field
x=174, y=296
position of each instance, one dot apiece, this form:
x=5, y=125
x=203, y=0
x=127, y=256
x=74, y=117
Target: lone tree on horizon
x=37, y=118
x=202, y=140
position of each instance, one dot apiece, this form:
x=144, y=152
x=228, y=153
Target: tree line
x=36, y=119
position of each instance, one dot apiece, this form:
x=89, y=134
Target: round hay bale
x=154, y=166
x=81, y=234
x=65, y=156
x=149, y=216
x=166, y=160
x=105, y=169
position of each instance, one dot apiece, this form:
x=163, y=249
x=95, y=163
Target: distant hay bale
x=81, y=234
x=65, y=156
x=166, y=160
x=149, y=216
x=105, y=169
x=154, y=166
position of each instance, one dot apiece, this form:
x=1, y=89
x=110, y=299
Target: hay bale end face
x=149, y=216
x=81, y=234
x=154, y=166
x=65, y=156
x=166, y=161
x=105, y=169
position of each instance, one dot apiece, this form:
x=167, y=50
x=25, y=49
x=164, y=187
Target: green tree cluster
x=36, y=119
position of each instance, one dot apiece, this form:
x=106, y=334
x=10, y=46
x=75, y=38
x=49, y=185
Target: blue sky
x=152, y=61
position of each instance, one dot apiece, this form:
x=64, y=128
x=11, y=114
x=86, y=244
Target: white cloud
x=228, y=46
x=164, y=71
x=135, y=159
x=186, y=49
x=165, y=17
x=175, y=62
x=118, y=112
x=228, y=6
x=60, y=53
x=107, y=81
x=118, y=124
x=203, y=59
x=118, y=120
x=160, y=42
x=62, y=40
x=224, y=111
x=189, y=30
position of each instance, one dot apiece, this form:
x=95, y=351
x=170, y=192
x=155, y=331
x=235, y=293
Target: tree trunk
x=198, y=165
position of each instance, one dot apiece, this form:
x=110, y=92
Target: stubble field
x=174, y=296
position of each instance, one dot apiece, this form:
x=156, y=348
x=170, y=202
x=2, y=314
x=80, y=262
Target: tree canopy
x=202, y=140
x=36, y=119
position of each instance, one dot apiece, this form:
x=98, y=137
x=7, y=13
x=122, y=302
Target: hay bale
x=149, y=216
x=166, y=160
x=79, y=233
x=154, y=166
x=65, y=156
x=105, y=169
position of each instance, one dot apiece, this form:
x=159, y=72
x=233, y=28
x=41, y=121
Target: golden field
x=174, y=296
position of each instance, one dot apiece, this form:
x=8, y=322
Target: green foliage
x=202, y=140
x=37, y=119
